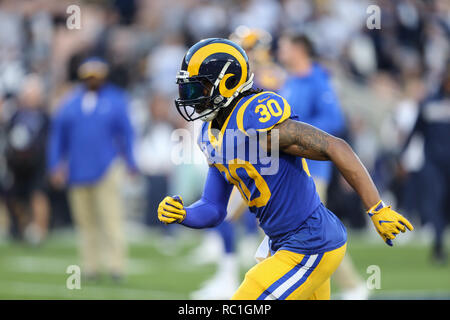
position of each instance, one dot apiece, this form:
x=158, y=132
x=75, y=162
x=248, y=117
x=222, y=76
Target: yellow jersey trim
x=305, y=167
x=240, y=115
x=217, y=142
x=286, y=115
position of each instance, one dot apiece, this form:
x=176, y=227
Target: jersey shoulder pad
x=261, y=112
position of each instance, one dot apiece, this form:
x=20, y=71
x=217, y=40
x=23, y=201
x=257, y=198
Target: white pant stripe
x=292, y=280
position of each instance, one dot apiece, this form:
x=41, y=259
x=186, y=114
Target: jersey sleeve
x=262, y=112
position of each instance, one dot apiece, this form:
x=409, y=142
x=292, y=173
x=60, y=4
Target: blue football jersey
x=276, y=186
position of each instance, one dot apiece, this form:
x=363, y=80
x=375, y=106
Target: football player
x=254, y=142
x=268, y=75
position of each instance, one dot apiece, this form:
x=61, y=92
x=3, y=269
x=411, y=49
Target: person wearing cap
x=88, y=133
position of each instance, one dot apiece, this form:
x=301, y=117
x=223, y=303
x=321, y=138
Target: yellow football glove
x=387, y=222
x=171, y=210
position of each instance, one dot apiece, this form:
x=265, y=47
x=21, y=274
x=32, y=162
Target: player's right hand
x=387, y=222
x=171, y=210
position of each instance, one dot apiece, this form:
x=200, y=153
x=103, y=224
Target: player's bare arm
x=303, y=140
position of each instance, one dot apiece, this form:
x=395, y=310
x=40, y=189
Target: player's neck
x=224, y=113
x=222, y=117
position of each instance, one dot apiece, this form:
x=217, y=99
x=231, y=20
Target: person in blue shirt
x=309, y=91
x=433, y=181
x=88, y=133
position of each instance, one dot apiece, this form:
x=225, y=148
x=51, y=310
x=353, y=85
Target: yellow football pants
x=291, y=276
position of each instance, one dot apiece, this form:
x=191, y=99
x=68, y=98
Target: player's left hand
x=171, y=210
x=388, y=223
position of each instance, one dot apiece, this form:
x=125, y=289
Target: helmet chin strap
x=209, y=116
x=221, y=74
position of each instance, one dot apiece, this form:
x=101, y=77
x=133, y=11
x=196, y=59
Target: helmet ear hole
x=231, y=82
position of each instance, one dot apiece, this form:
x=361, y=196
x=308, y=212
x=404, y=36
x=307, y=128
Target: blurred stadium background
x=381, y=77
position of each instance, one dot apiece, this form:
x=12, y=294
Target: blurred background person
x=309, y=92
x=90, y=130
x=259, y=44
x=155, y=147
x=433, y=124
x=26, y=139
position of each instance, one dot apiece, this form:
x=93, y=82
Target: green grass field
x=40, y=272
